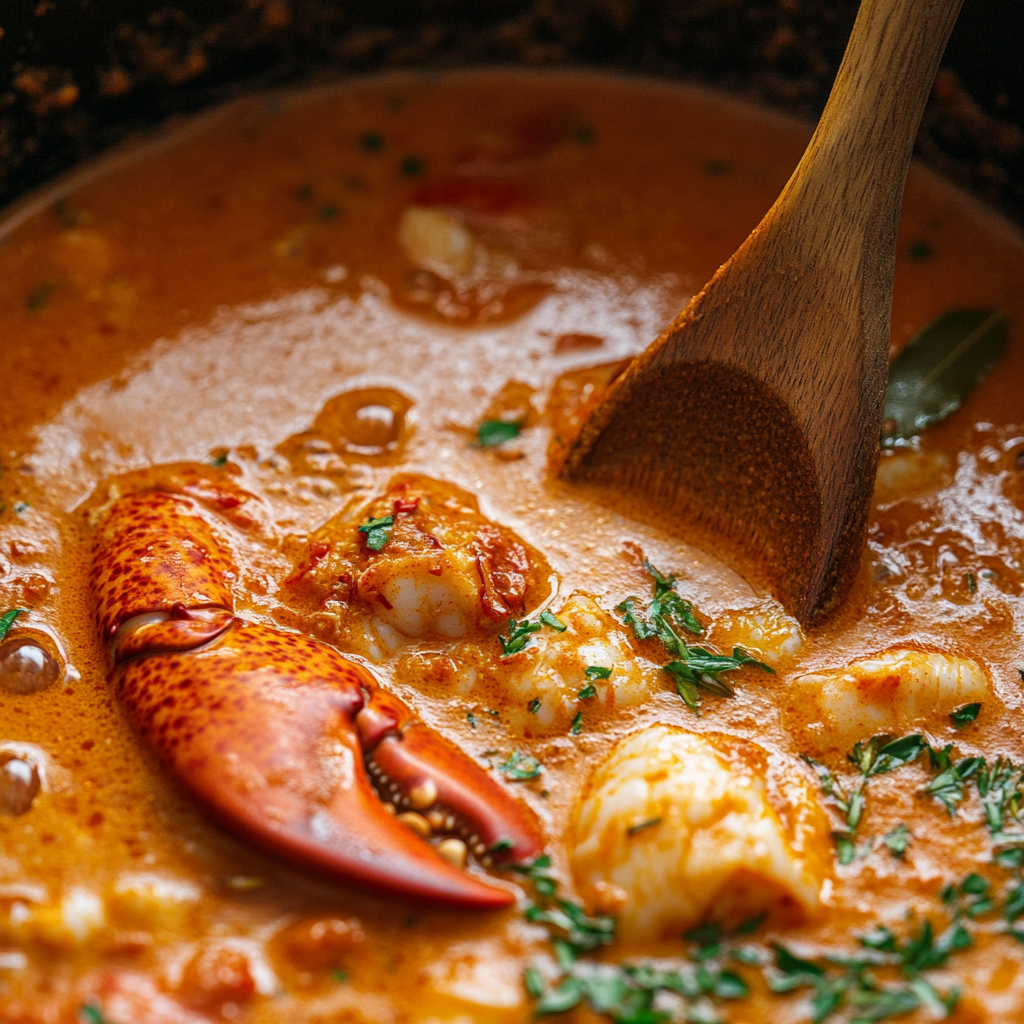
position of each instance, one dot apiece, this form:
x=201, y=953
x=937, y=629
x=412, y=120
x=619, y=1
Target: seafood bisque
x=323, y=698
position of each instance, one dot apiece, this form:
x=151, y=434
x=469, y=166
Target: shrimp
x=675, y=828
x=547, y=683
x=434, y=569
x=890, y=691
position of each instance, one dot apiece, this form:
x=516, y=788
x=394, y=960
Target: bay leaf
x=939, y=367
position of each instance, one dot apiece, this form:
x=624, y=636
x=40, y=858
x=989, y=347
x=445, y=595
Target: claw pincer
x=272, y=731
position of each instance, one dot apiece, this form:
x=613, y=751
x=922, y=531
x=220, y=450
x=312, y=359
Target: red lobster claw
x=272, y=731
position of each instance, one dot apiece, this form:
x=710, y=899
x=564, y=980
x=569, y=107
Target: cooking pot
x=78, y=75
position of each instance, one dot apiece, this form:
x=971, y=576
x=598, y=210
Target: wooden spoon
x=756, y=415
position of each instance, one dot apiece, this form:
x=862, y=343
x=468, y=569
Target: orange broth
x=203, y=300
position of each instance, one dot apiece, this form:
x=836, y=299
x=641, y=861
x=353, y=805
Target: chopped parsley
x=597, y=672
x=471, y=718
x=520, y=631
x=339, y=976
x=897, y=841
x=549, y=620
x=90, y=1013
x=584, y=135
x=577, y=724
x=492, y=433
x=667, y=616
x=716, y=168
x=20, y=506
x=534, y=706
x=410, y=167
x=588, y=691
x=372, y=142
x=377, y=531
x=711, y=974
x=521, y=767
x=538, y=873
x=328, y=212
x=920, y=250
x=7, y=620
x=965, y=715
x=519, y=634
x=502, y=845
x=220, y=459
x=697, y=667
x=39, y=297
x=642, y=826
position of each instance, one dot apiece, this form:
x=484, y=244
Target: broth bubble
x=19, y=784
x=26, y=666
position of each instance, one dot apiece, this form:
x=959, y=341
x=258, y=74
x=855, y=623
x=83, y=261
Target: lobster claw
x=274, y=732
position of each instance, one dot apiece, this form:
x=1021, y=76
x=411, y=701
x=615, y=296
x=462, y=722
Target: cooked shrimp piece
x=681, y=828
x=542, y=687
x=549, y=682
x=764, y=630
x=889, y=692
x=423, y=562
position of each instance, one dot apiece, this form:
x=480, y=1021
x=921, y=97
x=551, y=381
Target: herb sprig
x=377, y=531
x=7, y=620
x=668, y=616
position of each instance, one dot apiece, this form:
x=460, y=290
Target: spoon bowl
x=755, y=416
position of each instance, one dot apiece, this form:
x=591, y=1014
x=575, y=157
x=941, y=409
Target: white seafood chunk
x=688, y=827
x=435, y=567
x=72, y=923
x=764, y=631
x=891, y=691
x=434, y=239
x=551, y=670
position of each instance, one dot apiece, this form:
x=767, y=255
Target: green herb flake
x=502, y=845
x=90, y=1013
x=897, y=840
x=920, y=250
x=471, y=718
x=339, y=976
x=533, y=982
x=939, y=368
x=221, y=459
x=597, y=672
x=521, y=767
x=328, y=212
x=534, y=706
x=371, y=142
x=377, y=531
x=965, y=715
x=549, y=620
x=39, y=297
x=577, y=724
x=20, y=506
x=519, y=634
x=410, y=167
x=972, y=583
x=492, y=433
x=643, y=826
x=7, y=620
x=587, y=692
x=584, y=135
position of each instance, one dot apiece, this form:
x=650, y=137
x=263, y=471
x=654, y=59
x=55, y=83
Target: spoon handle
x=857, y=160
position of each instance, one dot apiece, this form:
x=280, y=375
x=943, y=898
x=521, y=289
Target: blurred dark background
x=77, y=75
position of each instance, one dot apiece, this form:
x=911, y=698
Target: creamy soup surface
x=325, y=348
